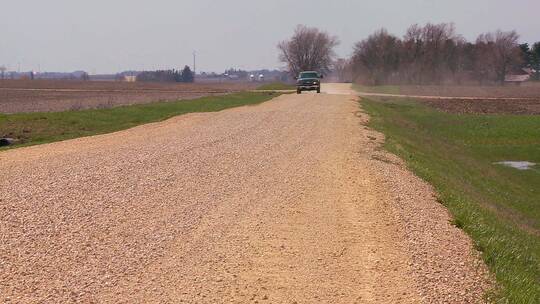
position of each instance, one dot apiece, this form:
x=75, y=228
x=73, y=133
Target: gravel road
x=290, y=201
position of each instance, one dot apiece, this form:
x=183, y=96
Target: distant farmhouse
x=130, y=78
x=520, y=76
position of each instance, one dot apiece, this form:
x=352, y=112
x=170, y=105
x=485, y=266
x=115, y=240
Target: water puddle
x=520, y=165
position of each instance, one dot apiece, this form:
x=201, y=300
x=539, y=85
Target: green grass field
x=276, y=86
x=39, y=128
x=499, y=207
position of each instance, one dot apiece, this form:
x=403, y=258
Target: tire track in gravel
x=283, y=202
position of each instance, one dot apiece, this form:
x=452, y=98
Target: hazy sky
x=103, y=36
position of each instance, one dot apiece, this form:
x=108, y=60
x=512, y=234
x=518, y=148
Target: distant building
x=129, y=78
x=232, y=76
x=529, y=71
x=519, y=77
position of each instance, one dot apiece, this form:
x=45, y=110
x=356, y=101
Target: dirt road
x=290, y=201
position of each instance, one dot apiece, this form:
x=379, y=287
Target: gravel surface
x=290, y=201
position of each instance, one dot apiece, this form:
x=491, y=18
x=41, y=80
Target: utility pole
x=194, y=64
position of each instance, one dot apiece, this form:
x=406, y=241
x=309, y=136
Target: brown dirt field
x=490, y=106
x=62, y=95
x=520, y=100
x=527, y=90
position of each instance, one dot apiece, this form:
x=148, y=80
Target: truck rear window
x=309, y=75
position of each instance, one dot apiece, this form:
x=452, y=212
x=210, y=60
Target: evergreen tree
x=526, y=55
x=187, y=74
x=535, y=59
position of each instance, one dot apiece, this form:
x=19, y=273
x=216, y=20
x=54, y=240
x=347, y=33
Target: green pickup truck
x=308, y=81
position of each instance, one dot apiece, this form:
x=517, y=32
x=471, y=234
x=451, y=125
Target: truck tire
x=298, y=91
x=319, y=90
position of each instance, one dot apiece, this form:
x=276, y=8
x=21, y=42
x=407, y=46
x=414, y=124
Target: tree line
x=435, y=54
x=428, y=54
x=185, y=75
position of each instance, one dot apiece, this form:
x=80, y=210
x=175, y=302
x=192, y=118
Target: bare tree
x=308, y=50
x=483, y=60
x=431, y=52
x=503, y=51
x=378, y=55
x=342, y=69
x=411, y=54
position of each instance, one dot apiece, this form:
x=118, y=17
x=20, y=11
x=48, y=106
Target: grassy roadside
x=45, y=127
x=497, y=206
x=276, y=86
